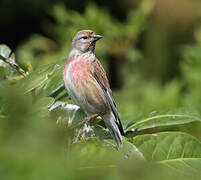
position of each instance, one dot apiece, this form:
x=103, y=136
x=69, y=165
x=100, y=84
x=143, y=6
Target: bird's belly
x=85, y=92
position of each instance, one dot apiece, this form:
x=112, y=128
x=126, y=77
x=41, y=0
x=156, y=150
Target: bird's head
x=85, y=40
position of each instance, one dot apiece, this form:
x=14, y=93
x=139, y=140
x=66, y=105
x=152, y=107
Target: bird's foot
x=89, y=118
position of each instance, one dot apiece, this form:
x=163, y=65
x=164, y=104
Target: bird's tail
x=111, y=124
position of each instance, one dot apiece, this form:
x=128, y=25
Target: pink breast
x=79, y=67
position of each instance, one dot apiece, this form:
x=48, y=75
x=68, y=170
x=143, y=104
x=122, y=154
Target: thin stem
x=15, y=66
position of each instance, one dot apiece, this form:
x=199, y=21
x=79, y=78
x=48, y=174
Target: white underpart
x=69, y=84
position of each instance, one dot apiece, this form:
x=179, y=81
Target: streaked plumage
x=87, y=84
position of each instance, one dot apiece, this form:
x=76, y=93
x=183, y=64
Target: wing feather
x=100, y=76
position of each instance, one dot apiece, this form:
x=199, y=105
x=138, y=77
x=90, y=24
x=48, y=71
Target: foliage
x=42, y=134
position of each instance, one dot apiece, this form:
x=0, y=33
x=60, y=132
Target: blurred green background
x=151, y=51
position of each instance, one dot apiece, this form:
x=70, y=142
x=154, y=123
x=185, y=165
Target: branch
x=15, y=66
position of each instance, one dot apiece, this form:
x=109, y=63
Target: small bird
x=87, y=85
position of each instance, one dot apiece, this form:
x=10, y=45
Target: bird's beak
x=96, y=37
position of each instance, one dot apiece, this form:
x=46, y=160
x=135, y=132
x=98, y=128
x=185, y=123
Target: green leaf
x=5, y=70
x=54, y=83
x=39, y=77
x=44, y=102
x=101, y=132
x=93, y=154
x=176, y=150
x=4, y=51
x=188, y=166
x=90, y=145
x=130, y=150
x=3, y=117
x=163, y=120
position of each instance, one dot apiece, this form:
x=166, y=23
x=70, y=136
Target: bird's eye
x=84, y=37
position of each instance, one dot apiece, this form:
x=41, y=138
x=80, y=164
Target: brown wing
x=100, y=76
x=100, y=73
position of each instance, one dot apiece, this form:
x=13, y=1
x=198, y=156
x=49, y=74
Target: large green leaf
x=163, y=120
x=127, y=150
x=41, y=76
x=179, y=151
x=130, y=150
x=92, y=144
x=55, y=84
x=94, y=155
x=38, y=77
x=188, y=166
